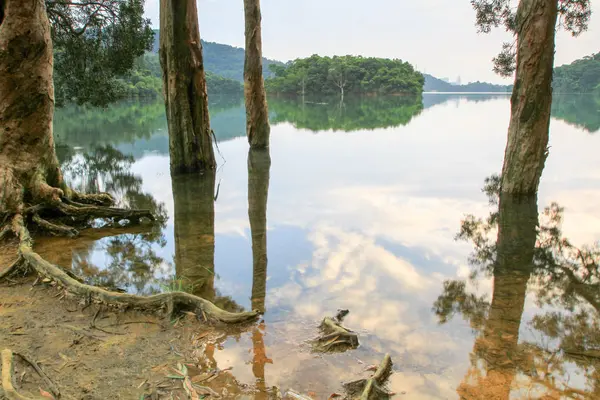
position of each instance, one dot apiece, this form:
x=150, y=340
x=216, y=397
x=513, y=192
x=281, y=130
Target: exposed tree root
x=7, y=379
x=372, y=388
x=171, y=302
x=335, y=338
x=54, y=229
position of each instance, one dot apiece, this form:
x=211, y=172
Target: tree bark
x=526, y=148
x=259, y=163
x=498, y=346
x=29, y=169
x=257, y=113
x=184, y=87
x=193, y=197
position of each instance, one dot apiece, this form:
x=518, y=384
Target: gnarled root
x=372, y=388
x=335, y=338
x=8, y=389
x=174, y=301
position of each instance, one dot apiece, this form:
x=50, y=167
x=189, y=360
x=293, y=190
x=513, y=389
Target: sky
x=438, y=37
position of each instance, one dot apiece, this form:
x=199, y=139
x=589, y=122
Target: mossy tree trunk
x=29, y=169
x=526, y=148
x=184, y=87
x=193, y=197
x=259, y=163
x=257, y=114
x=498, y=346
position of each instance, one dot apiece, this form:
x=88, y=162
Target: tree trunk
x=257, y=113
x=498, y=346
x=184, y=87
x=29, y=169
x=526, y=149
x=259, y=163
x=193, y=197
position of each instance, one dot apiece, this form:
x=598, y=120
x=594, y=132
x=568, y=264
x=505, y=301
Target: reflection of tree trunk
x=259, y=361
x=184, y=87
x=498, y=345
x=257, y=114
x=195, y=232
x=531, y=100
x=259, y=163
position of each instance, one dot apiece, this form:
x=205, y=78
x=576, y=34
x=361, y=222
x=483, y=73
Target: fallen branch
x=49, y=383
x=7, y=378
x=335, y=337
x=372, y=388
x=173, y=301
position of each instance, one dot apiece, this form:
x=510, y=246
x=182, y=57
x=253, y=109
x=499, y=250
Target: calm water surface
x=359, y=210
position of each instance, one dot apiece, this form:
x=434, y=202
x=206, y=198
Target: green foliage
x=354, y=113
x=95, y=42
x=328, y=75
x=581, y=76
x=573, y=16
x=223, y=60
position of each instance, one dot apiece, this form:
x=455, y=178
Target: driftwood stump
x=335, y=337
x=372, y=388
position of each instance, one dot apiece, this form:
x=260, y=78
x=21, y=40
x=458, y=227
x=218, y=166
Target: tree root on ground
x=335, y=338
x=372, y=388
x=8, y=390
x=169, y=302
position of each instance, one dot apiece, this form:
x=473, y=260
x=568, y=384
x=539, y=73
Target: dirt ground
x=92, y=352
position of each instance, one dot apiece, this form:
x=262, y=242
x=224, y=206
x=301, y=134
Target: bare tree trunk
x=184, y=86
x=526, y=149
x=193, y=197
x=29, y=169
x=498, y=346
x=257, y=113
x=259, y=163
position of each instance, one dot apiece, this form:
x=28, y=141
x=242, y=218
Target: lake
x=359, y=210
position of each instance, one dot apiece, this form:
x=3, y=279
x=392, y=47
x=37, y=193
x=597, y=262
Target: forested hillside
x=581, y=76
x=223, y=60
x=433, y=84
x=345, y=74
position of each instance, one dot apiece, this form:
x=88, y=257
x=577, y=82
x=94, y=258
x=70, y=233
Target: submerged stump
x=335, y=337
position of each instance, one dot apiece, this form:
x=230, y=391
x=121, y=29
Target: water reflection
x=347, y=114
x=259, y=164
x=194, y=227
x=581, y=110
x=527, y=257
x=125, y=259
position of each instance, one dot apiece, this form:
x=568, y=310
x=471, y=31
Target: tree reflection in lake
x=527, y=256
x=194, y=199
x=351, y=114
x=582, y=110
x=259, y=164
x=128, y=256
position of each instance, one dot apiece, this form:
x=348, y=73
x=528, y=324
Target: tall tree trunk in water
x=195, y=233
x=498, y=345
x=257, y=113
x=184, y=87
x=259, y=163
x=526, y=149
x=29, y=169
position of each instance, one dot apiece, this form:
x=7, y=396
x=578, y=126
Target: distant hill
x=433, y=84
x=581, y=76
x=224, y=60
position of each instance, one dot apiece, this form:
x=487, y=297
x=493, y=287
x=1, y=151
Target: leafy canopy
x=95, y=42
x=328, y=75
x=574, y=16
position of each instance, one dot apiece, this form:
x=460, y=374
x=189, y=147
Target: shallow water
x=359, y=210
